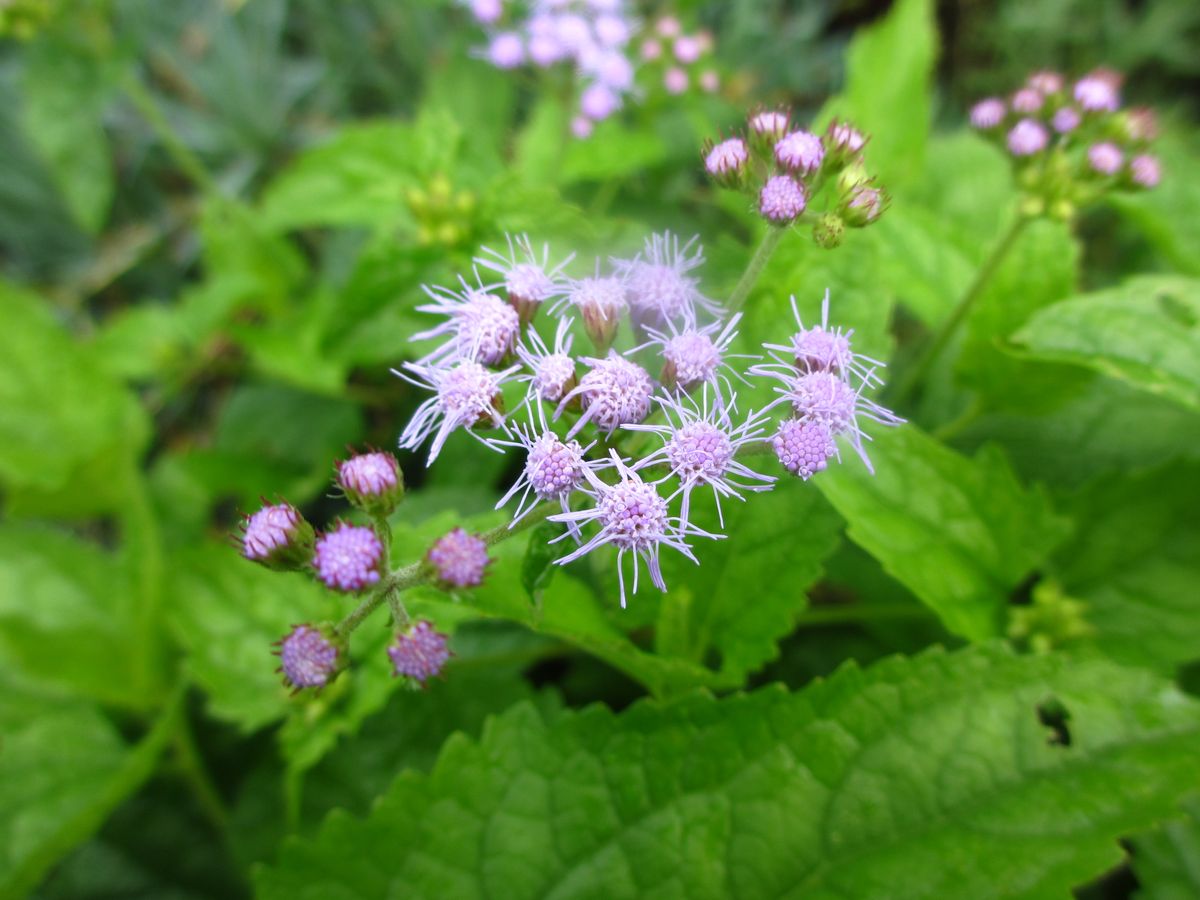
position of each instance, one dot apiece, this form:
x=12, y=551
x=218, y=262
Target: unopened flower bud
x=309, y=657
x=1105, y=158
x=782, y=199
x=601, y=302
x=420, y=653
x=372, y=482
x=803, y=447
x=726, y=162
x=1145, y=171
x=1141, y=124
x=348, y=558
x=843, y=143
x=767, y=126
x=800, y=152
x=459, y=558
x=1027, y=100
x=1066, y=120
x=829, y=231
x=864, y=204
x=278, y=537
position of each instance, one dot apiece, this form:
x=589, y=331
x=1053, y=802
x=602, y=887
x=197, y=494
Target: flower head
x=803, y=447
x=466, y=395
x=480, y=326
x=659, y=285
x=782, y=199
x=601, y=301
x=1145, y=170
x=800, y=151
x=505, y=50
x=695, y=356
x=988, y=113
x=726, y=161
x=700, y=444
x=1065, y=120
x=1097, y=93
x=1105, y=158
x=307, y=657
x=529, y=278
x=864, y=204
x=675, y=80
x=1046, y=82
x=459, y=558
x=633, y=517
x=348, y=558
x=614, y=392
x=820, y=348
x=769, y=124
x=1027, y=101
x=1027, y=137
x=371, y=481
x=553, y=470
x=551, y=371
x=420, y=652
x=277, y=536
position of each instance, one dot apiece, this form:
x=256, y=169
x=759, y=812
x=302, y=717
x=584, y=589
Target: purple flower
x=988, y=113
x=1027, y=137
x=582, y=127
x=1097, y=93
x=1145, y=170
x=727, y=160
x=459, y=558
x=700, y=444
x=651, y=50
x=486, y=11
x=612, y=30
x=1141, y=124
x=308, y=659
x=800, y=151
x=658, y=284
x=1065, y=120
x=551, y=371
x=466, y=395
x=420, y=652
x=529, y=279
x=710, y=81
x=601, y=300
x=1045, y=82
x=782, y=199
x=695, y=356
x=553, y=471
x=1105, y=158
x=479, y=326
x=613, y=393
x=633, y=517
x=1027, y=100
x=687, y=49
x=348, y=558
x=599, y=101
x=371, y=481
x=823, y=349
x=277, y=536
x=803, y=447
x=675, y=80
x=864, y=204
x=505, y=50
x=770, y=124
x=845, y=139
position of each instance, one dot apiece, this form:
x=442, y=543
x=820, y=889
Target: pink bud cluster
x=622, y=440
x=602, y=43
x=788, y=169
x=1082, y=122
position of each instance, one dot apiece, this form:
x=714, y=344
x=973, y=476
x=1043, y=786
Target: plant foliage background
x=972, y=674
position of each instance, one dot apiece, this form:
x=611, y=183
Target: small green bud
x=829, y=230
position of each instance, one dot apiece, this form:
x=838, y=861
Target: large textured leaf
x=959, y=533
x=888, y=88
x=65, y=614
x=1167, y=860
x=922, y=778
x=1134, y=560
x=750, y=588
x=63, y=769
x=58, y=409
x=1145, y=332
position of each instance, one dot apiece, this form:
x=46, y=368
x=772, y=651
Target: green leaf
x=226, y=613
x=66, y=615
x=750, y=588
x=613, y=152
x=1167, y=860
x=888, y=92
x=959, y=533
x=65, y=91
x=1145, y=332
x=919, y=778
x=1133, y=559
x=58, y=408
x=63, y=769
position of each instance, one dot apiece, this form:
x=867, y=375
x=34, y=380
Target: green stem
x=143, y=547
x=853, y=613
x=421, y=572
x=191, y=764
x=754, y=268
x=181, y=153
x=906, y=385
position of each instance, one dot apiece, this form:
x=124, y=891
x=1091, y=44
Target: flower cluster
x=787, y=168
x=352, y=559
x=585, y=423
x=594, y=39
x=1071, y=141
